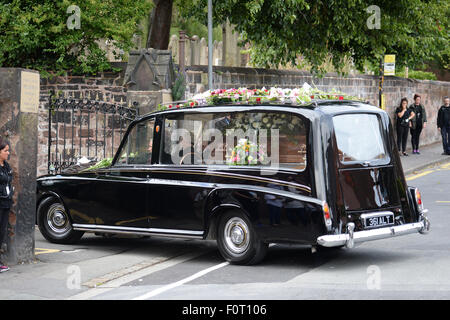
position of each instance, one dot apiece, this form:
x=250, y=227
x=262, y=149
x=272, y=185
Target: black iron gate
x=84, y=128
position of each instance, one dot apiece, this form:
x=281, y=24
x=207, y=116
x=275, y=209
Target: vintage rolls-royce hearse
x=324, y=173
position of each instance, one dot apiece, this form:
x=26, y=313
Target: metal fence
x=84, y=128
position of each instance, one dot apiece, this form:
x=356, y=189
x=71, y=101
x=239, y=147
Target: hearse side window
x=139, y=144
x=359, y=138
x=238, y=138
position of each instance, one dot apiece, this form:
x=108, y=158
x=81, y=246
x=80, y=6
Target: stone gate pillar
x=19, y=101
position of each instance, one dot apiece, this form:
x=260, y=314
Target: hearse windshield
x=359, y=138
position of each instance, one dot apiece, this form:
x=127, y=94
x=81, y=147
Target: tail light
x=418, y=197
x=326, y=215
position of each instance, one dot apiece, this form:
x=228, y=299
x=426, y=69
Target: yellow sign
x=29, y=91
x=389, y=65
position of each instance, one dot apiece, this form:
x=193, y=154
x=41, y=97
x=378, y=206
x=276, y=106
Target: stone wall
x=19, y=93
x=363, y=86
x=108, y=86
x=225, y=53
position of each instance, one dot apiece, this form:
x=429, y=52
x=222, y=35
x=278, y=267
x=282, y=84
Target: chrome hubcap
x=57, y=219
x=237, y=237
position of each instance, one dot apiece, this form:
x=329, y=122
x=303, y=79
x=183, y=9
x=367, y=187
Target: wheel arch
x=213, y=218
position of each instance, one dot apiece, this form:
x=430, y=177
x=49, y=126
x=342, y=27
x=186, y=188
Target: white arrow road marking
x=181, y=282
x=134, y=275
x=185, y=280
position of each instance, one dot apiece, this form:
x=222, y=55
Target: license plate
x=375, y=220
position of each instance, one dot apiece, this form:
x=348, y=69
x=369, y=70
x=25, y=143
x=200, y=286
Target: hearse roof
x=330, y=107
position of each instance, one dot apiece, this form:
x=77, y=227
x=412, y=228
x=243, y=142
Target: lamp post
x=210, y=46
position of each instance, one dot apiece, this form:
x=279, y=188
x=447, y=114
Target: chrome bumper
x=350, y=238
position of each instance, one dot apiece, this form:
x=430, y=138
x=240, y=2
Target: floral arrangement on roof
x=302, y=95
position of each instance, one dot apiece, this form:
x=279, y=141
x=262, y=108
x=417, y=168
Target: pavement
x=429, y=155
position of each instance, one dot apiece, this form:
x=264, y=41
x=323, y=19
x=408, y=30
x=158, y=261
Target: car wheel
x=54, y=222
x=238, y=242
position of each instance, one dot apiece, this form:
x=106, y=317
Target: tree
x=161, y=18
x=281, y=30
x=40, y=34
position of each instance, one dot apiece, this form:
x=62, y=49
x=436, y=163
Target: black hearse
x=326, y=173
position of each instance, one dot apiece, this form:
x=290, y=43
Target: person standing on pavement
x=443, y=124
x=404, y=116
x=419, y=122
x=6, y=193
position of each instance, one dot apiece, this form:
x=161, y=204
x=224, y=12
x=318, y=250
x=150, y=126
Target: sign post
x=380, y=87
x=389, y=65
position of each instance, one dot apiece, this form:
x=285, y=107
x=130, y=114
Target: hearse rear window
x=359, y=138
x=240, y=138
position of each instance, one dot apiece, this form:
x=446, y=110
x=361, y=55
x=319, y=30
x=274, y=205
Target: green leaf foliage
x=416, y=31
x=35, y=34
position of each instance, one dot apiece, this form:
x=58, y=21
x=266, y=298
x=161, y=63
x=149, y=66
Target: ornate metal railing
x=84, y=128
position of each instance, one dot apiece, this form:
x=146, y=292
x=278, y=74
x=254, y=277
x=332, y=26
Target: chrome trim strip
x=140, y=231
x=369, y=235
x=110, y=177
x=213, y=186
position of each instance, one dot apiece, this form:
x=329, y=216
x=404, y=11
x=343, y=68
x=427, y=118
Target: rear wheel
x=54, y=222
x=238, y=242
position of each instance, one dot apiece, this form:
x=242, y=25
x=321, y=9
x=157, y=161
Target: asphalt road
x=409, y=267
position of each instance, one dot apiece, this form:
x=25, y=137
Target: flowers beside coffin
x=246, y=153
x=100, y=164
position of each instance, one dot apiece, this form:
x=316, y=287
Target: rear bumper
x=348, y=239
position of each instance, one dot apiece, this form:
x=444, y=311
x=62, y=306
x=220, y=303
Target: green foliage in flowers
x=101, y=164
x=258, y=96
x=280, y=31
x=286, y=124
x=35, y=34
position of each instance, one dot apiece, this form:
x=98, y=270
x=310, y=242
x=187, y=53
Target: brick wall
x=108, y=85
x=363, y=86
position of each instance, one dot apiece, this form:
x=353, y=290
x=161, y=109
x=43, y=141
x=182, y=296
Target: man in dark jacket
x=443, y=124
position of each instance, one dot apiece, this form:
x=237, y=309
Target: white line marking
x=116, y=283
x=158, y=266
x=181, y=282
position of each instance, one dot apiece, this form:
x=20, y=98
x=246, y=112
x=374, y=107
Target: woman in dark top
x=5, y=195
x=418, y=123
x=404, y=116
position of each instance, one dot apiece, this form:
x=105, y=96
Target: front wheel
x=54, y=222
x=238, y=242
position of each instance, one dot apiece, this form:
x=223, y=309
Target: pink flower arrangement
x=302, y=95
